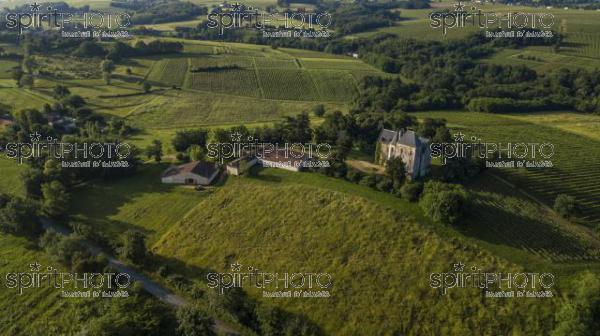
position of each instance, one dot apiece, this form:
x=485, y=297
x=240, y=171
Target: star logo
x=35, y=267
x=237, y=7
x=236, y=267
x=458, y=267
x=35, y=137
x=459, y=7
x=34, y=7
x=236, y=137
x=459, y=136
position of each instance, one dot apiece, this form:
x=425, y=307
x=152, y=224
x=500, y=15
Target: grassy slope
x=379, y=256
x=141, y=202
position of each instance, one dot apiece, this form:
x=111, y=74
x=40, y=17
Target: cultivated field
x=576, y=157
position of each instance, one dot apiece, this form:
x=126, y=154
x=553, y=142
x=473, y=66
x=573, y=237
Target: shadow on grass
x=499, y=224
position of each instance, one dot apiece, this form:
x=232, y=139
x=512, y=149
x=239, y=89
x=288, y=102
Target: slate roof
x=407, y=138
x=201, y=168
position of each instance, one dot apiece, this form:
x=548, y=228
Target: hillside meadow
x=379, y=249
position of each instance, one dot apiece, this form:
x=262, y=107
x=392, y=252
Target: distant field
x=22, y=98
x=576, y=157
x=218, y=84
x=169, y=71
x=543, y=59
x=178, y=108
x=6, y=67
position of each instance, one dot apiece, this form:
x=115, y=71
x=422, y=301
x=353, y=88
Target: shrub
x=354, y=175
x=384, y=184
x=319, y=110
x=369, y=180
x=565, y=205
x=444, y=203
x=411, y=191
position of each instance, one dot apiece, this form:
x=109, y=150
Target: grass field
x=575, y=159
x=135, y=203
x=10, y=182
x=375, y=243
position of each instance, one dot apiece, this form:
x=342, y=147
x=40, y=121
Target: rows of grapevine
x=524, y=225
x=334, y=85
x=170, y=71
x=583, y=44
x=239, y=82
x=287, y=84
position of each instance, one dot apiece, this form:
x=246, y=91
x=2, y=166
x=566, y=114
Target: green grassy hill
x=379, y=257
x=371, y=242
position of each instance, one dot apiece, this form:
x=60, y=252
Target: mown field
x=576, y=157
x=10, y=182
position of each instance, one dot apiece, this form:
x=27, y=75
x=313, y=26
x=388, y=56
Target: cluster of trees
x=160, y=11
x=18, y=216
x=447, y=75
x=119, y=50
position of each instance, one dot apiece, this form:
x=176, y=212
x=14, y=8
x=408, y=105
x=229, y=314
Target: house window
x=190, y=181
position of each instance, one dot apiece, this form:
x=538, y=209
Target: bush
x=565, y=205
x=384, y=184
x=319, y=110
x=411, y=191
x=369, y=180
x=134, y=247
x=444, y=203
x=354, y=175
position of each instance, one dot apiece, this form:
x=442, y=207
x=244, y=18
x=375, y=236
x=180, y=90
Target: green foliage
x=411, y=191
x=154, y=150
x=196, y=153
x=395, y=168
x=89, y=49
x=134, y=247
x=147, y=87
x=55, y=199
x=19, y=216
x=60, y=91
x=184, y=139
x=194, y=322
x=565, y=205
x=32, y=180
x=580, y=314
x=319, y=110
x=444, y=203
